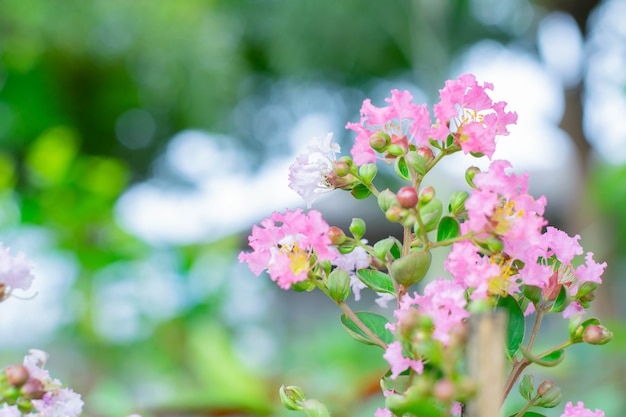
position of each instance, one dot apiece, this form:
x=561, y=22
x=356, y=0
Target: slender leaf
x=516, y=324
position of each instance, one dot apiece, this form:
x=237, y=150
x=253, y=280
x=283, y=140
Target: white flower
x=352, y=262
x=308, y=175
x=15, y=272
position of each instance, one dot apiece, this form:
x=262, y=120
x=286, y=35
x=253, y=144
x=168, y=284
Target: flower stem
x=352, y=316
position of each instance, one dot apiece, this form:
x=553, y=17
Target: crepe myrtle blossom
x=56, y=401
x=402, y=121
x=309, y=173
x=398, y=362
x=580, y=411
x=466, y=112
x=15, y=272
x=501, y=206
x=288, y=246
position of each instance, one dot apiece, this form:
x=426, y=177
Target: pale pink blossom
x=466, y=111
x=10, y=411
x=308, y=175
x=580, y=411
x=398, y=362
x=15, y=272
x=400, y=119
x=382, y=412
x=286, y=245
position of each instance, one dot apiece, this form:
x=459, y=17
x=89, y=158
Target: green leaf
x=561, y=302
x=375, y=322
x=402, y=169
x=548, y=361
x=528, y=414
x=515, y=326
x=360, y=192
x=448, y=228
x=376, y=280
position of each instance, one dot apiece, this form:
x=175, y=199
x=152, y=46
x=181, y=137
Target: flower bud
x=549, y=395
x=457, y=202
x=291, y=397
x=341, y=168
x=417, y=162
x=470, y=173
x=407, y=197
x=367, y=172
x=336, y=235
x=426, y=153
x=17, y=375
x=379, y=141
x=314, y=408
x=596, y=334
x=444, y=390
x=387, y=199
x=586, y=288
x=357, y=228
x=426, y=195
x=394, y=214
x=339, y=284
x=411, y=269
x=396, y=150
x=431, y=214
x=33, y=389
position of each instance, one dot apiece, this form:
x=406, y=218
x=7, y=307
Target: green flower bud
x=407, y=197
x=586, y=288
x=470, y=173
x=457, y=202
x=387, y=199
x=357, y=228
x=431, y=213
x=417, y=162
x=426, y=195
x=396, y=150
x=367, y=172
x=394, y=214
x=549, y=395
x=306, y=285
x=411, y=269
x=339, y=284
x=379, y=141
x=314, y=408
x=291, y=397
x=526, y=386
x=346, y=247
x=532, y=292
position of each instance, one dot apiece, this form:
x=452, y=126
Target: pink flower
x=308, y=175
x=288, y=245
x=399, y=363
x=466, y=111
x=383, y=412
x=401, y=118
x=59, y=403
x=444, y=302
x=15, y=272
x=580, y=411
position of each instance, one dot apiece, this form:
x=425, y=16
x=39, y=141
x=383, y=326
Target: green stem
x=529, y=404
x=352, y=316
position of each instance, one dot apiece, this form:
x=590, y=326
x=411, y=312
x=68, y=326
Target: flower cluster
x=503, y=255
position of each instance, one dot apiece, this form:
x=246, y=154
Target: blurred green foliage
x=91, y=93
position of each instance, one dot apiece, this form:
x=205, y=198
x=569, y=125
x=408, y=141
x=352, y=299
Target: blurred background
x=140, y=140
